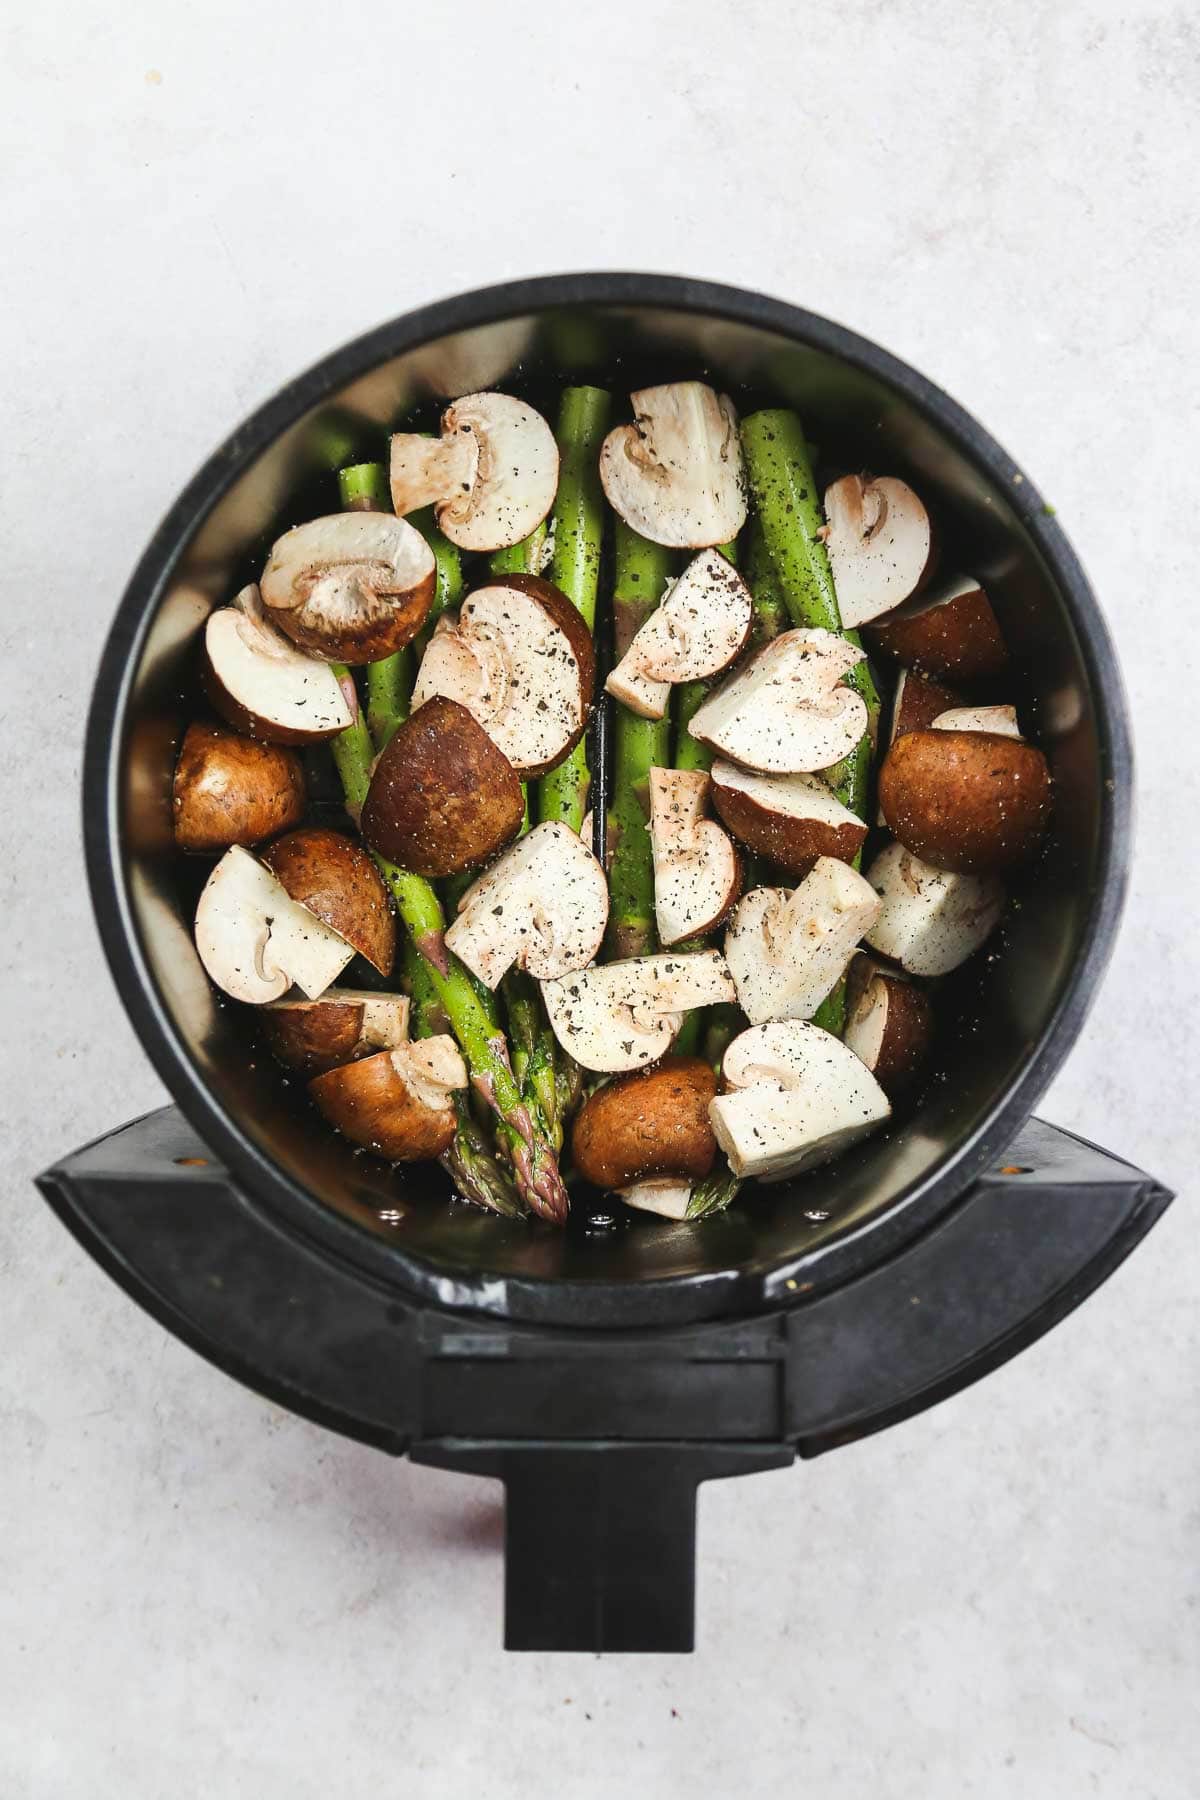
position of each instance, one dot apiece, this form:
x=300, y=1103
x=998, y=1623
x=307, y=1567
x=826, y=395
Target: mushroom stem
x=641, y=572
x=363, y=487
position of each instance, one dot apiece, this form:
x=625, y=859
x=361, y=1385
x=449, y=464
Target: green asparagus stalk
x=353, y=752
x=713, y=1194
x=524, y=558
x=641, y=570
x=363, y=487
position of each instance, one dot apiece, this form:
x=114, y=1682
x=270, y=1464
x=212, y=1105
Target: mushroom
x=665, y=1195
x=1001, y=721
x=889, y=1025
x=785, y=711
x=697, y=870
x=543, y=906
x=917, y=702
x=653, y=1122
x=491, y=476
x=336, y=880
x=791, y=819
x=880, y=545
x=624, y=1015
x=930, y=920
x=351, y=588
x=442, y=797
x=342, y=1026
x=399, y=1102
x=948, y=630
x=520, y=659
x=786, y=948
x=700, y=627
x=972, y=801
x=675, y=474
x=795, y=1097
x=256, y=942
x=230, y=789
x=263, y=685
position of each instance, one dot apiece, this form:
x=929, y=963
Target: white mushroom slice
x=785, y=711
x=542, y=907
x=1001, y=721
x=930, y=920
x=797, y=1098
x=880, y=545
x=624, y=1015
x=491, y=476
x=256, y=942
x=350, y=587
x=432, y=1069
x=699, y=628
x=665, y=1195
x=263, y=684
x=675, y=475
x=697, y=871
x=786, y=948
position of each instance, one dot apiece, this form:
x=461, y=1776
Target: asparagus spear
x=524, y=558
x=363, y=487
x=641, y=571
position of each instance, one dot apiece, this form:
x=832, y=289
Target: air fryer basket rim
x=672, y=1300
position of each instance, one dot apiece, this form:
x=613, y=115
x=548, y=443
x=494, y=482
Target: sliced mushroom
x=697, y=870
x=785, y=711
x=399, y=1103
x=653, y=1122
x=624, y=1015
x=880, y=544
x=796, y=1096
x=542, y=907
x=256, y=942
x=701, y=626
x=973, y=801
x=263, y=685
x=791, y=819
x=520, y=659
x=343, y=1026
x=786, y=948
x=336, y=880
x=1001, y=721
x=352, y=588
x=230, y=789
x=675, y=475
x=665, y=1195
x=948, y=630
x=889, y=1025
x=491, y=476
x=930, y=920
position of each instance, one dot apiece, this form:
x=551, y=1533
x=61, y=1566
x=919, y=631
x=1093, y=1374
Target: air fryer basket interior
x=1009, y=1016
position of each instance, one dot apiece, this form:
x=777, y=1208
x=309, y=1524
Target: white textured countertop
x=201, y=1596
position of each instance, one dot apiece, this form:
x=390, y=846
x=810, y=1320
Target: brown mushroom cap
x=398, y=1103
x=950, y=630
x=889, y=1025
x=917, y=702
x=230, y=789
x=969, y=801
x=342, y=1026
x=442, y=798
x=791, y=819
x=335, y=879
x=653, y=1122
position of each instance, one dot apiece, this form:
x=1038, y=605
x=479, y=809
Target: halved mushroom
x=521, y=660
x=796, y=1096
x=701, y=626
x=675, y=475
x=792, y=819
x=230, y=789
x=930, y=920
x=343, y=1026
x=973, y=801
x=256, y=942
x=336, y=880
x=624, y=1015
x=491, y=476
x=665, y=1195
x=786, y=948
x=916, y=702
x=442, y=797
x=399, y=1103
x=889, y=1025
x=785, y=711
x=653, y=1122
x=351, y=588
x=697, y=870
x=1001, y=721
x=948, y=630
x=542, y=907
x=880, y=544
x=263, y=685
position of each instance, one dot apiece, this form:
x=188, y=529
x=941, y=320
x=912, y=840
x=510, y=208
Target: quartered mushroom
x=1001, y=721
x=785, y=711
x=398, y=1103
x=675, y=474
x=518, y=656
x=930, y=920
x=786, y=948
x=880, y=545
x=790, y=819
x=949, y=630
x=229, y=789
x=491, y=476
x=256, y=942
x=342, y=1026
x=263, y=685
x=665, y=1195
x=353, y=587
x=889, y=1025
x=973, y=800
x=336, y=880
x=795, y=1097
x=697, y=869
x=650, y=1123
x=700, y=627
x=623, y=1015
x=917, y=701
x=543, y=907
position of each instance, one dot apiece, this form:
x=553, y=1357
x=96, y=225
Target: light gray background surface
x=201, y=1596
